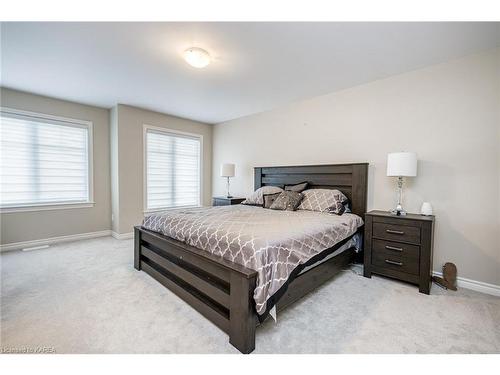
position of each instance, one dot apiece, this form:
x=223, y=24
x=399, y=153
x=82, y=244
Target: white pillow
x=257, y=197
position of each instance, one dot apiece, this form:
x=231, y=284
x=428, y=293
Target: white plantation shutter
x=172, y=170
x=43, y=161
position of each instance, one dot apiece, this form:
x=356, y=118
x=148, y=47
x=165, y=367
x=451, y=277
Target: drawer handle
x=394, y=231
x=394, y=248
x=393, y=262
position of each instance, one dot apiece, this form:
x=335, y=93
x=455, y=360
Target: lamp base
x=228, y=195
x=397, y=212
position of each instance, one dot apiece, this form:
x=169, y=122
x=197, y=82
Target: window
x=45, y=161
x=172, y=169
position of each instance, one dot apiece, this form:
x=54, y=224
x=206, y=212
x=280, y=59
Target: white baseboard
x=478, y=286
x=462, y=282
x=53, y=240
x=122, y=236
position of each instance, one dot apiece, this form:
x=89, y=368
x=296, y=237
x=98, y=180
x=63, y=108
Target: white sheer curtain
x=43, y=161
x=172, y=170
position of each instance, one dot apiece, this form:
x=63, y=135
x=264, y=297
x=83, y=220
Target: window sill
x=146, y=212
x=48, y=207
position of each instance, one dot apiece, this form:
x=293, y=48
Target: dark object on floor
x=439, y=282
x=449, y=279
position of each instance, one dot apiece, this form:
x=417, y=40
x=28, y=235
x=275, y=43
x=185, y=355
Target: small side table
x=224, y=201
x=399, y=247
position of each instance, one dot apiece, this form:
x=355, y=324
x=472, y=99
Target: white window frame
x=145, y=172
x=67, y=122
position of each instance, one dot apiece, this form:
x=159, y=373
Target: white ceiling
x=257, y=66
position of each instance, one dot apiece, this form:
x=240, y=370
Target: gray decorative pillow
x=337, y=208
x=287, y=200
x=324, y=200
x=269, y=199
x=297, y=187
x=257, y=197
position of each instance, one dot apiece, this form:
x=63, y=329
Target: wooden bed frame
x=221, y=290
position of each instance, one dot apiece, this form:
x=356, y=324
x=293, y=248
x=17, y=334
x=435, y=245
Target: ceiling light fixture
x=197, y=57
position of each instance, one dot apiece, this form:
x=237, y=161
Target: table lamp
x=227, y=170
x=401, y=164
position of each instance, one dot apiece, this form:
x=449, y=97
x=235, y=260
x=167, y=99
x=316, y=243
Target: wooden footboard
x=220, y=290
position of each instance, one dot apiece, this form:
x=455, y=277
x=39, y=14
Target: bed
x=234, y=264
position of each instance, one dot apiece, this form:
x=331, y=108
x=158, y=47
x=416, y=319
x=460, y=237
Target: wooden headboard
x=350, y=179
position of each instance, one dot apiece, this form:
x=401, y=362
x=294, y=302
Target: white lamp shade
x=402, y=164
x=227, y=170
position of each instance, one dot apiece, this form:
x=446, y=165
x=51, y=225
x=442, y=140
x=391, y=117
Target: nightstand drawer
x=396, y=232
x=396, y=256
x=395, y=248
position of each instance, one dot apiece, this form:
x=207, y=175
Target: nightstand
x=399, y=247
x=224, y=201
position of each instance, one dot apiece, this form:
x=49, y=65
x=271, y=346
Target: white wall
x=449, y=114
x=127, y=160
x=118, y=169
x=36, y=225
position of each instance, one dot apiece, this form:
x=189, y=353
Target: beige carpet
x=85, y=297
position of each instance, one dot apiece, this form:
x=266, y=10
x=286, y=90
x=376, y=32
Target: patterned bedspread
x=271, y=242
